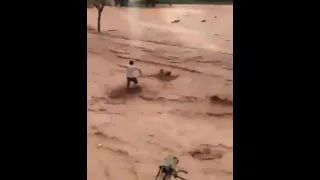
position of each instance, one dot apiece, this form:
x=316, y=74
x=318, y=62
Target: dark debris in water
x=222, y=101
x=206, y=154
x=122, y=92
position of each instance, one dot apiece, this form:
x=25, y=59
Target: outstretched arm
x=158, y=173
x=182, y=171
x=121, y=66
x=176, y=174
x=181, y=178
x=139, y=70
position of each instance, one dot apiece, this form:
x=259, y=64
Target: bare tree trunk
x=100, y=9
x=99, y=21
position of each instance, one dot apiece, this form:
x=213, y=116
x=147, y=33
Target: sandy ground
x=177, y=114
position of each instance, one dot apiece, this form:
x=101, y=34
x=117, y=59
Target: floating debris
x=175, y=21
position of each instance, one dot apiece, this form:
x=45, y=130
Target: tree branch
x=102, y=6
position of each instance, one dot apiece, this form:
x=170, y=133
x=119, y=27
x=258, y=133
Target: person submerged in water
x=170, y=171
x=131, y=75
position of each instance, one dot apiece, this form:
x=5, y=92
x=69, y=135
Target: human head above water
x=131, y=62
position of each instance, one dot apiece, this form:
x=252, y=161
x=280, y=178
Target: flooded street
x=215, y=33
x=183, y=103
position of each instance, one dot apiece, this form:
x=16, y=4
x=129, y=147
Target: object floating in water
x=175, y=21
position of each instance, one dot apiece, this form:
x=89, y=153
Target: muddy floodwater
x=215, y=33
x=183, y=104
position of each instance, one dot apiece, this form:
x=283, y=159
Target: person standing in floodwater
x=131, y=75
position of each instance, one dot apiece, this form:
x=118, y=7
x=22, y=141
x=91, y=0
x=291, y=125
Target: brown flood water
x=216, y=33
x=189, y=116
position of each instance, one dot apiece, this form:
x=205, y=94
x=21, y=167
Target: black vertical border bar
x=70, y=71
x=267, y=111
x=80, y=86
x=246, y=96
x=48, y=41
